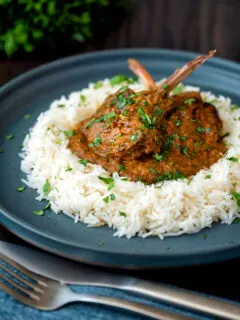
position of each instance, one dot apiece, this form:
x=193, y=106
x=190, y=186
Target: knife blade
x=69, y=272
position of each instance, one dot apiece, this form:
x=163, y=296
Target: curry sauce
x=151, y=136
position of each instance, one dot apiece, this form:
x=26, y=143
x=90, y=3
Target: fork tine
x=15, y=275
x=17, y=286
x=39, y=279
x=16, y=295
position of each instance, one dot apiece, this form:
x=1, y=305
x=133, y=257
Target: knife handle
x=139, y=308
x=184, y=298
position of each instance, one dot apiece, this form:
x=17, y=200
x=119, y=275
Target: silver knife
x=69, y=272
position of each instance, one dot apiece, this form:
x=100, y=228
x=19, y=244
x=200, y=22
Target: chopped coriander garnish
x=146, y=120
x=178, y=175
x=111, y=186
x=82, y=98
x=169, y=142
x=106, y=180
x=233, y=159
x=225, y=135
x=182, y=138
x=109, y=115
x=46, y=187
x=106, y=199
x=204, y=236
x=166, y=176
x=133, y=79
x=101, y=243
x=118, y=136
x=159, y=157
x=83, y=162
x=122, y=214
x=38, y=212
x=102, y=118
x=61, y=105
x=122, y=167
x=184, y=150
x=200, y=130
x=236, y=220
x=208, y=176
x=158, y=111
x=189, y=101
x=178, y=123
x=91, y=144
x=89, y=124
x=208, y=129
x=20, y=189
x=134, y=137
x=124, y=179
x=97, y=141
x=178, y=89
x=153, y=170
x=118, y=79
x=236, y=196
x=47, y=206
x=165, y=86
x=21, y=146
x=121, y=101
x=69, y=133
x=234, y=107
x=1, y=150
x=27, y=116
x=98, y=85
x=9, y=137
x=112, y=196
x=68, y=169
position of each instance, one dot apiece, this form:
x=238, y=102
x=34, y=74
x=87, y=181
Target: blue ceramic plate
x=32, y=93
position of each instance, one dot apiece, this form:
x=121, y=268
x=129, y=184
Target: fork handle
x=129, y=306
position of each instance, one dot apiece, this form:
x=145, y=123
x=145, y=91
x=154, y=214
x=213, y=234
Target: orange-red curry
x=151, y=137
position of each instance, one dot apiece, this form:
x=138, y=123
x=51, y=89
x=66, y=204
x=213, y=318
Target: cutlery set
x=40, y=281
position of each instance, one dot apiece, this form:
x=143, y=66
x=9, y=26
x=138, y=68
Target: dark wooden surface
x=195, y=25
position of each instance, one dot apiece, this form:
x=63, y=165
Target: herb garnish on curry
x=151, y=135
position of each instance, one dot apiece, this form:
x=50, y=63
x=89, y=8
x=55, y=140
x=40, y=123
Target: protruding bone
x=142, y=73
x=180, y=74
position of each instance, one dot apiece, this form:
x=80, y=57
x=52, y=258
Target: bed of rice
x=168, y=208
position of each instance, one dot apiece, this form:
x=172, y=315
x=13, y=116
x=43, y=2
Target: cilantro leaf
x=236, y=196
x=46, y=187
x=21, y=189
x=38, y=212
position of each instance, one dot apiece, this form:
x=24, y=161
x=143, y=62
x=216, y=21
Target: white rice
x=169, y=208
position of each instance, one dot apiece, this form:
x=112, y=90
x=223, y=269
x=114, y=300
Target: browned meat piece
x=149, y=135
x=123, y=122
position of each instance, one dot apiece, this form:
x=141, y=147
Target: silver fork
x=46, y=294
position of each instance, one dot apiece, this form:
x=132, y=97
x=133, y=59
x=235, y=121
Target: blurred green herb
x=28, y=25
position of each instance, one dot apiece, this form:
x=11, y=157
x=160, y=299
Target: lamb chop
x=131, y=128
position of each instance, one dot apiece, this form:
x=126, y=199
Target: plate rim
x=39, y=71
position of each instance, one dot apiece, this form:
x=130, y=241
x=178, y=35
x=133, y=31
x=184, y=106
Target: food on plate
x=151, y=134
x=144, y=158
